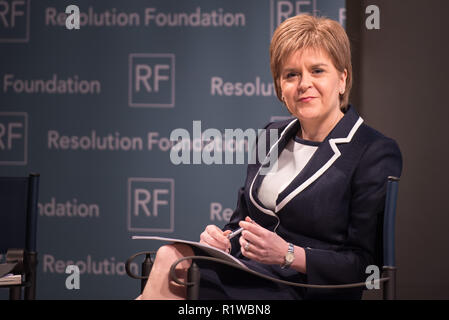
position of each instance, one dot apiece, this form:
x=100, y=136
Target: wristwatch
x=289, y=257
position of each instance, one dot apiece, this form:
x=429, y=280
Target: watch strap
x=291, y=250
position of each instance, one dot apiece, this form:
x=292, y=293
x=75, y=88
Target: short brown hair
x=305, y=31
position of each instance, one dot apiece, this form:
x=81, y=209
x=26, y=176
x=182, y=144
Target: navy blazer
x=332, y=207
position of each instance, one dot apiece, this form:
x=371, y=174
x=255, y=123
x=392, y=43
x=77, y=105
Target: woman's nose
x=305, y=82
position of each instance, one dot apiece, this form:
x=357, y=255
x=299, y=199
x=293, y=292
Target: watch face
x=289, y=257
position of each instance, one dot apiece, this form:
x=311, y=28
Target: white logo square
x=151, y=204
x=14, y=21
x=281, y=10
x=151, y=80
x=13, y=138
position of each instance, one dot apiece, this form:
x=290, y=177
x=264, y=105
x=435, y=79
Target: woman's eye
x=318, y=71
x=291, y=75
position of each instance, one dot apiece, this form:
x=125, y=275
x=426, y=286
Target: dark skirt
x=219, y=281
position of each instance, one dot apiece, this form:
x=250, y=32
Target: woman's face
x=311, y=85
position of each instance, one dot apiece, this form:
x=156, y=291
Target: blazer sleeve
x=381, y=159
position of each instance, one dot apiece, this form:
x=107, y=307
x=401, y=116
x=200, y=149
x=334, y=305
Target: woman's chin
x=306, y=115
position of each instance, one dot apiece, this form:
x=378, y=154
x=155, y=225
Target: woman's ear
x=343, y=77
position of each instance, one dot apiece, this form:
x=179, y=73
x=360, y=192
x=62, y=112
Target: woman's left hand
x=260, y=244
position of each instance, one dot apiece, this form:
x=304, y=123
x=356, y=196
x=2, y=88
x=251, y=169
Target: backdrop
x=92, y=111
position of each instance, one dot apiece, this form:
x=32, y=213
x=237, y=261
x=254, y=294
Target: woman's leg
x=159, y=285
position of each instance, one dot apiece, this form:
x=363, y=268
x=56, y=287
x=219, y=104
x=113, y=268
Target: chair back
x=389, y=222
x=385, y=238
x=18, y=212
x=18, y=228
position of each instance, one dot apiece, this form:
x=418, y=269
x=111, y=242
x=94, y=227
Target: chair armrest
x=14, y=262
x=131, y=259
x=6, y=268
x=233, y=265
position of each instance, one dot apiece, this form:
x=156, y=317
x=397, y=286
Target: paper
x=11, y=279
x=213, y=252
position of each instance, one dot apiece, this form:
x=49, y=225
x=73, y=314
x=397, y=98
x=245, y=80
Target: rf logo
x=14, y=20
x=284, y=9
x=152, y=80
x=151, y=204
x=13, y=138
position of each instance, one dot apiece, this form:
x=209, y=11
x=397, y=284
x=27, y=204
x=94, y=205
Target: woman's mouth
x=306, y=99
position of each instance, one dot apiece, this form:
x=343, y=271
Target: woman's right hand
x=215, y=237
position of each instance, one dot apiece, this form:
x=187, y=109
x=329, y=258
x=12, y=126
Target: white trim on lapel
x=264, y=210
x=333, y=143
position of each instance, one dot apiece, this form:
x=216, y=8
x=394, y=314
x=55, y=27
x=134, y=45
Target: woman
x=314, y=218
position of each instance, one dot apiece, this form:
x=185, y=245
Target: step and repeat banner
x=92, y=110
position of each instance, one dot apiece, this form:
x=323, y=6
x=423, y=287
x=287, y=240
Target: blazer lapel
x=326, y=154
x=286, y=134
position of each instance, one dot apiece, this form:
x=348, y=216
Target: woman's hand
x=260, y=244
x=215, y=237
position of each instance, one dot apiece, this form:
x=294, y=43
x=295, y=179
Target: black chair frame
x=23, y=261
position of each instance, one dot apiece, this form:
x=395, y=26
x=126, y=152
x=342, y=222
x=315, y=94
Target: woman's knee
x=172, y=252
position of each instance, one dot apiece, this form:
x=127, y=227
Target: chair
x=18, y=226
x=385, y=257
